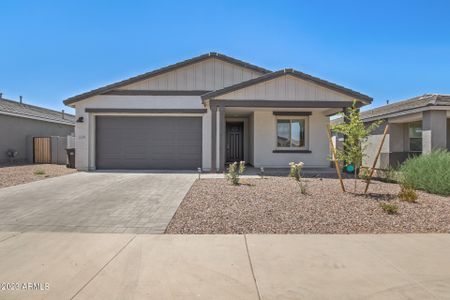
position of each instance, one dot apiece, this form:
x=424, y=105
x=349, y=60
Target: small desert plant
x=296, y=170
x=389, y=208
x=364, y=173
x=428, y=172
x=234, y=171
x=407, y=193
x=296, y=173
x=303, y=188
x=39, y=172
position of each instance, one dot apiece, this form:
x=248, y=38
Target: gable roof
x=332, y=86
x=14, y=108
x=406, y=105
x=160, y=71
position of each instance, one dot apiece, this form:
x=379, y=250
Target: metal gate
x=42, y=150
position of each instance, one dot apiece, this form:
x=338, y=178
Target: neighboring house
x=417, y=125
x=204, y=112
x=20, y=122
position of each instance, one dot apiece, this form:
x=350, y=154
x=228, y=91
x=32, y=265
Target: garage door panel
x=148, y=142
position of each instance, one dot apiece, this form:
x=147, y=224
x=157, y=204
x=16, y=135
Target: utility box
x=71, y=158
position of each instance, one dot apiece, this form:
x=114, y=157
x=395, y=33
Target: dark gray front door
x=235, y=142
x=148, y=142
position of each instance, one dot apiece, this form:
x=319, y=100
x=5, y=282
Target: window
x=415, y=137
x=291, y=133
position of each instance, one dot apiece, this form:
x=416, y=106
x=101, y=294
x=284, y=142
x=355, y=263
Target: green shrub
x=428, y=172
x=407, y=194
x=39, y=172
x=389, y=208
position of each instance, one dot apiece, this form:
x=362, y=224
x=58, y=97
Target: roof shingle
x=31, y=111
x=405, y=105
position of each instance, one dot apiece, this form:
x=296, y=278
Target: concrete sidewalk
x=128, y=266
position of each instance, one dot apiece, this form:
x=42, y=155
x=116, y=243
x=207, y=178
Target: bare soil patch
x=276, y=205
x=18, y=174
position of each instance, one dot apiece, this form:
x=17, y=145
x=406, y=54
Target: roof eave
x=358, y=96
x=39, y=118
x=404, y=112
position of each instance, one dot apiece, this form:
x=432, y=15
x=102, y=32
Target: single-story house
x=205, y=112
x=417, y=125
x=20, y=122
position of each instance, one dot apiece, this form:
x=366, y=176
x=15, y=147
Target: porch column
x=222, y=126
x=213, y=137
x=434, y=130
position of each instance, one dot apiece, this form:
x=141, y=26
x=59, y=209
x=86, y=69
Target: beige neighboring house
x=205, y=112
x=417, y=125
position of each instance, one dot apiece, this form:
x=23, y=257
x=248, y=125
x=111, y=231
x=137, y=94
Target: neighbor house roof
x=402, y=107
x=332, y=86
x=14, y=108
x=427, y=100
x=160, y=71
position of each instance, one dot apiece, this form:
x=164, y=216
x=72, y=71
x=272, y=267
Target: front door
x=235, y=142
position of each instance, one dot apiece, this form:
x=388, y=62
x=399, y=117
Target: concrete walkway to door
x=109, y=202
x=127, y=266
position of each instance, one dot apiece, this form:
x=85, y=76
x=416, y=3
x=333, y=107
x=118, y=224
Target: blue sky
x=51, y=50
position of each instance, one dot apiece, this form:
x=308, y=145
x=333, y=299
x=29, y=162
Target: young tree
x=355, y=137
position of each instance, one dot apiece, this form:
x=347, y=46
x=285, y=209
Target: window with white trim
x=291, y=133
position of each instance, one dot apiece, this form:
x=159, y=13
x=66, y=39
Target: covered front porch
x=271, y=137
x=274, y=119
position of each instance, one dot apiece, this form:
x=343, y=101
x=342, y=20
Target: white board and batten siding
x=210, y=74
x=286, y=87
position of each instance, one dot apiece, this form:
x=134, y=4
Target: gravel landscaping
x=276, y=205
x=18, y=174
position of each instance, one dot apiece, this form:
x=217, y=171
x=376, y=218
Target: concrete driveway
x=95, y=202
x=128, y=266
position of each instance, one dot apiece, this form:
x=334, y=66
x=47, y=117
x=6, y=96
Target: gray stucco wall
x=59, y=145
x=434, y=130
x=396, y=137
x=373, y=143
x=16, y=133
x=395, y=149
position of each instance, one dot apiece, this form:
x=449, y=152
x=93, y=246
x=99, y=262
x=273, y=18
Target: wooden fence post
x=376, y=158
x=333, y=155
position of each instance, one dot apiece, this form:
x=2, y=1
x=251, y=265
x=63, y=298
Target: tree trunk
x=355, y=178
